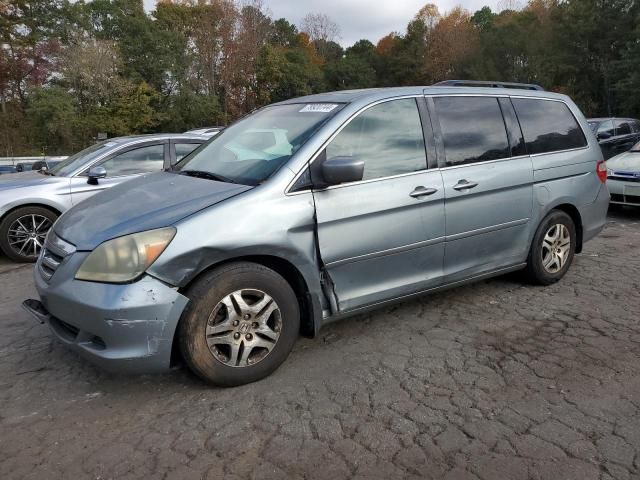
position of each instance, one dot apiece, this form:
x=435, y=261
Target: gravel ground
x=497, y=380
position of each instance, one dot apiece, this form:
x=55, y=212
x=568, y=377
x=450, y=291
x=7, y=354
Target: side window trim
x=321, y=151
x=427, y=133
x=437, y=132
x=513, y=127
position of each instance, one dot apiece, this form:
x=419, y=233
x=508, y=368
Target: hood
x=27, y=179
x=147, y=202
x=625, y=162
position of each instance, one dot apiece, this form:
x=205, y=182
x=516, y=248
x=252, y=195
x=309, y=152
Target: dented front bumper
x=124, y=328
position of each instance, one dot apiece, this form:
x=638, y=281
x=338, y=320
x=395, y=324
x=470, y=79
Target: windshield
x=71, y=164
x=254, y=148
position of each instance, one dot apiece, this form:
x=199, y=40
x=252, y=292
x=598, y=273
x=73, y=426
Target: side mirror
x=338, y=170
x=603, y=136
x=95, y=173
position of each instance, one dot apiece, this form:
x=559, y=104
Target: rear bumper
x=594, y=215
x=123, y=328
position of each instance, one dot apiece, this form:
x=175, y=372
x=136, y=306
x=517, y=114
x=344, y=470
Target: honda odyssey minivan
x=314, y=209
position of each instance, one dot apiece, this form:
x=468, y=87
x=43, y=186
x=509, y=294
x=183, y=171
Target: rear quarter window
x=548, y=126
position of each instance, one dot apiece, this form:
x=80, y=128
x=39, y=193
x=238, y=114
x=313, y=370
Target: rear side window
x=184, y=149
x=472, y=128
x=548, y=126
x=606, y=129
x=623, y=127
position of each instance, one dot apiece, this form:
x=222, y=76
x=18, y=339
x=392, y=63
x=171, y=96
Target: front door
x=121, y=166
x=488, y=189
x=382, y=237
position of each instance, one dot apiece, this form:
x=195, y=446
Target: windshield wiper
x=207, y=175
x=47, y=172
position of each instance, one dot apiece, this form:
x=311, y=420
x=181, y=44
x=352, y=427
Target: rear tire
x=22, y=232
x=552, y=249
x=241, y=324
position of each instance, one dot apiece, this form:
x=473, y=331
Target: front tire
x=241, y=324
x=22, y=232
x=553, y=248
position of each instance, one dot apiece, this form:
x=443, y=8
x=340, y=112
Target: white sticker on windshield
x=319, y=107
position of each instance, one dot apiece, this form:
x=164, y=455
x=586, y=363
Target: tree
x=51, y=113
x=322, y=31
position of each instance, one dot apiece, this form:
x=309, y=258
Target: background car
x=4, y=169
x=31, y=201
x=615, y=135
x=44, y=164
x=208, y=131
x=623, y=177
x=24, y=166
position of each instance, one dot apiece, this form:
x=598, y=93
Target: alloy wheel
x=243, y=328
x=556, y=246
x=26, y=234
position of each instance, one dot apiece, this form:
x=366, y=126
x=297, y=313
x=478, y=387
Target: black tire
x=11, y=249
x=535, y=270
x=207, y=293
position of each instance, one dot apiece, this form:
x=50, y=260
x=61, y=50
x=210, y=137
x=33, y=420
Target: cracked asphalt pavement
x=496, y=380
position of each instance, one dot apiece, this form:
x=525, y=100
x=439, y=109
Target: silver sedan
x=623, y=177
x=31, y=201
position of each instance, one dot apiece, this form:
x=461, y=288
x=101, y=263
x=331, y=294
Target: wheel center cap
x=244, y=327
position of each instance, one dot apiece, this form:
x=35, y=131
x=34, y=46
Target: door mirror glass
x=338, y=170
x=95, y=173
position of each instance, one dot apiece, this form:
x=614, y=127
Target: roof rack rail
x=489, y=84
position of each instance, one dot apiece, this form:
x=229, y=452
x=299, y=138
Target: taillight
x=601, y=170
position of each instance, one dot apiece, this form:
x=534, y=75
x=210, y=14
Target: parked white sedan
x=30, y=202
x=623, y=177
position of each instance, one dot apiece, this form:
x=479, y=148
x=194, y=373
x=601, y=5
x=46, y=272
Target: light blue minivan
x=314, y=209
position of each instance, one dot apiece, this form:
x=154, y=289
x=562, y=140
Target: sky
x=361, y=18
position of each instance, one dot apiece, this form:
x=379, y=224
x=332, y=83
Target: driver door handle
x=422, y=192
x=464, y=185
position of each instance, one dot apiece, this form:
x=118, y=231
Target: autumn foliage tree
x=70, y=69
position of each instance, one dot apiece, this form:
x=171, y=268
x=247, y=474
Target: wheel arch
x=13, y=208
x=310, y=308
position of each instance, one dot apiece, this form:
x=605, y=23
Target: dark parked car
x=7, y=169
x=615, y=135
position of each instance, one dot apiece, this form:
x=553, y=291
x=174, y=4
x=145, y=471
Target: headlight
x=124, y=259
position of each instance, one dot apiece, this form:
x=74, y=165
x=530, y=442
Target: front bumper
x=624, y=192
x=123, y=328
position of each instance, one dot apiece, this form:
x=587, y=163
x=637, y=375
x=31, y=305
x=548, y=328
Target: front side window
x=623, y=127
x=139, y=160
x=548, y=126
x=472, y=128
x=387, y=137
x=254, y=148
